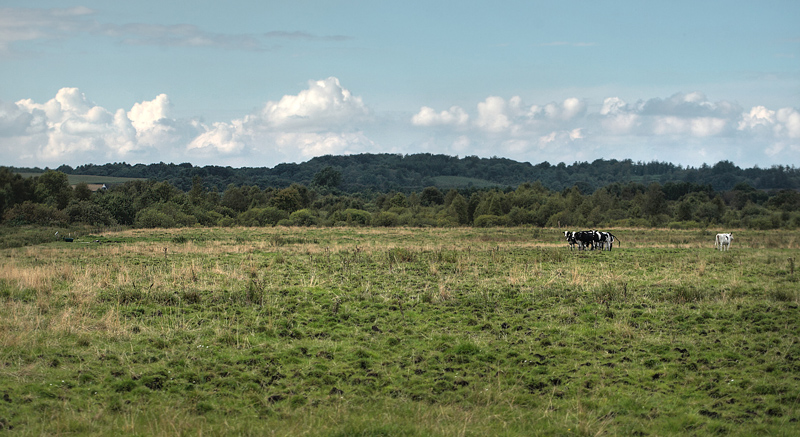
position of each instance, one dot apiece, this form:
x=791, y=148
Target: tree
x=288, y=199
x=52, y=188
x=328, y=177
x=654, y=201
x=82, y=191
x=431, y=196
x=235, y=199
x=196, y=194
x=90, y=213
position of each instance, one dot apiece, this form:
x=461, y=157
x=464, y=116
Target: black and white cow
x=592, y=239
x=583, y=239
x=723, y=241
x=607, y=240
x=569, y=235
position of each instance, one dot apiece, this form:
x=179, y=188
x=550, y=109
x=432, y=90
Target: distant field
x=462, y=182
x=411, y=332
x=89, y=179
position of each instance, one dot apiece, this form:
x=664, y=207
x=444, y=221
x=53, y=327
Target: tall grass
x=357, y=331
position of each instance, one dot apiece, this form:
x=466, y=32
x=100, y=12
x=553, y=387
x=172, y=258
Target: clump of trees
x=49, y=200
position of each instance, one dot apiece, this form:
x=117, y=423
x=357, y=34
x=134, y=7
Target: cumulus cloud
x=317, y=121
x=686, y=125
x=427, y=116
x=323, y=104
x=70, y=127
x=327, y=118
x=790, y=123
x=492, y=115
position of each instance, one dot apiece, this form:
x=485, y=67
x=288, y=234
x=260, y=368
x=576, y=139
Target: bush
x=153, y=218
x=763, y=223
x=163, y=215
x=269, y=216
x=357, y=217
x=29, y=213
x=488, y=220
x=208, y=218
x=302, y=217
x=385, y=218
x=89, y=213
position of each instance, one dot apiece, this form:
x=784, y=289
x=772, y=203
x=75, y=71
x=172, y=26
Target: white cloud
x=317, y=121
x=427, y=116
x=310, y=145
x=617, y=119
x=146, y=115
x=688, y=126
x=69, y=128
x=790, y=119
x=326, y=118
x=221, y=138
x=492, y=115
x=325, y=103
x=758, y=116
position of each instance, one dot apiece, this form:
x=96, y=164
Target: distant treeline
x=382, y=173
x=50, y=200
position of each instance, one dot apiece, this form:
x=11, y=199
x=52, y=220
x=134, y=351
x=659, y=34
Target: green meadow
x=400, y=331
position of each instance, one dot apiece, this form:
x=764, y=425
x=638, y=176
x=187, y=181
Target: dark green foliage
x=328, y=177
x=29, y=213
x=394, y=190
x=89, y=213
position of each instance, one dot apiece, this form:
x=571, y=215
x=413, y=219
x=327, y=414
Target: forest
x=407, y=173
x=415, y=190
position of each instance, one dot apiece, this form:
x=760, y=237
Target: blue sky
x=258, y=83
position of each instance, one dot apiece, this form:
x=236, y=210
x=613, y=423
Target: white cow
x=723, y=241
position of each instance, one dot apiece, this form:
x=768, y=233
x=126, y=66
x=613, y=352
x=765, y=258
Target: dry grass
x=577, y=301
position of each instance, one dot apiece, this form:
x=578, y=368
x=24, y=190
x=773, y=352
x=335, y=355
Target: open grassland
x=89, y=179
x=413, y=332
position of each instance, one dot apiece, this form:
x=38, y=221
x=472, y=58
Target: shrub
x=303, y=217
x=163, y=215
x=269, y=216
x=357, y=217
x=29, y=213
x=89, y=213
x=153, y=218
x=489, y=220
x=385, y=218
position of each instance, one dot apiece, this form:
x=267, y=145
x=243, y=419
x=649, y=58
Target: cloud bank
x=327, y=118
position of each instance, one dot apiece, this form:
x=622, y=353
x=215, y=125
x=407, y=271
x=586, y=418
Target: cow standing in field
x=569, y=235
x=607, y=240
x=592, y=239
x=723, y=241
x=581, y=238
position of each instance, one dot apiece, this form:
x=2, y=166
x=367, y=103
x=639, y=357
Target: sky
x=258, y=83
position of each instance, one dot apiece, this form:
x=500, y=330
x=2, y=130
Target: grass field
x=89, y=179
x=410, y=332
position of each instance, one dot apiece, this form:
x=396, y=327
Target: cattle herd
x=605, y=240
x=591, y=239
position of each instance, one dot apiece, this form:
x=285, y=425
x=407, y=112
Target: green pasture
x=89, y=179
x=399, y=331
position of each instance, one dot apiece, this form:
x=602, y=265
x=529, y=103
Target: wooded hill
x=384, y=173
